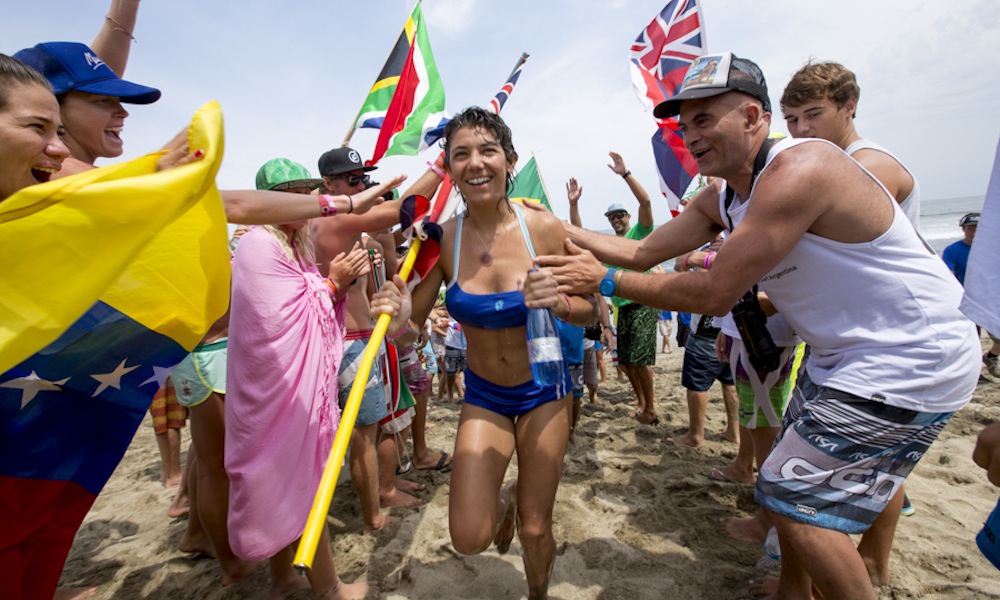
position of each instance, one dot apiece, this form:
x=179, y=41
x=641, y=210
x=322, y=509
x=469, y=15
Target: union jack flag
x=660, y=56
x=498, y=101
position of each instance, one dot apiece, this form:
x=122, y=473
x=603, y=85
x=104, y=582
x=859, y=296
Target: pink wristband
x=708, y=260
x=434, y=167
x=326, y=206
x=400, y=332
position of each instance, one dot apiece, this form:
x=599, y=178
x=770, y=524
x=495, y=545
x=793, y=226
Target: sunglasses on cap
x=353, y=180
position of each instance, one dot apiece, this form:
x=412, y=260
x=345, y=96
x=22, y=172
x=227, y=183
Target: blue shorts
x=701, y=367
x=512, y=401
x=373, y=404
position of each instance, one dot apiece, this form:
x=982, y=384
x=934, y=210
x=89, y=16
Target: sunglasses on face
x=353, y=180
x=617, y=216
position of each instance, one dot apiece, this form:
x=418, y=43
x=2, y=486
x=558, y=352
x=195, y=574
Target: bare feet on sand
x=380, y=522
x=408, y=486
x=239, y=570
x=688, y=440
x=728, y=474
x=508, y=506
x=179, y=507
x=751, y=531
x=196, y=544
x=766, y=587
x=397, y=498
x=730, y=436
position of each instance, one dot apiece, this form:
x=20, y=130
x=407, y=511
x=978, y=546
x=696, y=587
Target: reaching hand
x=178, y=153
x=619, y=165
x=364, y=201
x=348, y=266
x=576, y=272
x=573, y=191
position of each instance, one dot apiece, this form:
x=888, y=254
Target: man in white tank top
x=821, y=101
x=892, y=356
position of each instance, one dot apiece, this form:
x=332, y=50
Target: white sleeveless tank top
x=881, y=316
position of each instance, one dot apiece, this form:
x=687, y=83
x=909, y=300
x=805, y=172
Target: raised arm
x=573, y=193
x=114, y=40
x=645, y=206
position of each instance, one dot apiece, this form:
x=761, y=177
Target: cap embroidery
x=93, y=60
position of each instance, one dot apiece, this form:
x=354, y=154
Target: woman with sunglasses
x=487, y=261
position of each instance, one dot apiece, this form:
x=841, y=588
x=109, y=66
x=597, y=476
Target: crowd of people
x=825, y=321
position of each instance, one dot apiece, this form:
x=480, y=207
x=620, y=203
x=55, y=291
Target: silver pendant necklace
x=485, y=258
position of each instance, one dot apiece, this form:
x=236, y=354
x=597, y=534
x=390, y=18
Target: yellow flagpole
x=306, y=551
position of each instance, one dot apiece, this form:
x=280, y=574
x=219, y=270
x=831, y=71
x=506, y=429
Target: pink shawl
x=286, y=339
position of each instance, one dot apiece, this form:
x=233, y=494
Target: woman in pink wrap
x=285, y=343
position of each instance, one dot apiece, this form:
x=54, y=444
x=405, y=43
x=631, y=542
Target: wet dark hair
x=13, y=71
x=479, y=118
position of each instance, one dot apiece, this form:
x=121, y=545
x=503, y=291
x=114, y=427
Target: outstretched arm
x=259, y=207
x=114, y=40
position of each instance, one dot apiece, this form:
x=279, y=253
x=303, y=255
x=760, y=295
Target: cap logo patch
x=93, y=60
x=354, y=156
x=709, y=71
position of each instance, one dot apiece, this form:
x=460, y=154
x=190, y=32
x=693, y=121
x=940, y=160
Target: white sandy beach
x=636, y=518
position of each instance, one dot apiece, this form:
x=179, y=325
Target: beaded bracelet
x=326, y=206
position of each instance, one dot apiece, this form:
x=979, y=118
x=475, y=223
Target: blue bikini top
x=487, y=311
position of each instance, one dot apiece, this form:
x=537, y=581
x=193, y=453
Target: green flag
x=528, y=186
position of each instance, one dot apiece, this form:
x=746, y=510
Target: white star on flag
x=159, y=377
x=31, y=385
x=112, y=379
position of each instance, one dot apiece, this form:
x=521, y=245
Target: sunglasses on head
x=353, y=179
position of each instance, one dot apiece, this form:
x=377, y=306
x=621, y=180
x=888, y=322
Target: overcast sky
x=291, y=75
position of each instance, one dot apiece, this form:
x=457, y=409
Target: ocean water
x=939, y=219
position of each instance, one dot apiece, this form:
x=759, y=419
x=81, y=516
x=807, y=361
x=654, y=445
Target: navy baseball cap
x=74, y=66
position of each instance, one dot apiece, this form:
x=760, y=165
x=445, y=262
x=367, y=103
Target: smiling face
x=821, y=119
x=478, y=165
x=719, y=131
x=619, y=222
x=31, y=150
x=93, y=125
